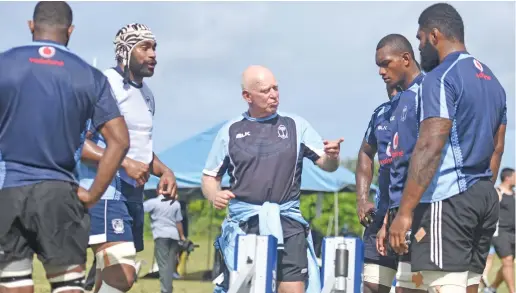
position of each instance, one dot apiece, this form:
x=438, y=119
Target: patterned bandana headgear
x=126, y=39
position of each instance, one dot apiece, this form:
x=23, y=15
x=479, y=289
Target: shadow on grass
x=202, y=276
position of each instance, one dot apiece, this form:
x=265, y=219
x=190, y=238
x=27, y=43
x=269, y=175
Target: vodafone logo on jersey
x=395, y=144
x=47, y=53
x=478, y=65
x=480, y=68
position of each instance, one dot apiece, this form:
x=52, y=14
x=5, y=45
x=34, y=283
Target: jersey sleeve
x=504, y=114
x=369, y=136
x=218, y=158
x=106, y=107
x=311, y=141
x=437, y=98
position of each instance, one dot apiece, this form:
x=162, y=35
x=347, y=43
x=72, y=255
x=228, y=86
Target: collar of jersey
x=454, y=55
x=418, y=79
x=49, y=43
x=246, y=116
x=132, y=83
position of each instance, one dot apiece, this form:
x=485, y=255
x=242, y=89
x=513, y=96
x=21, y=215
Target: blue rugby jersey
x=378, y=135
x=47, y=94
x=468, y=93
x=405, y=129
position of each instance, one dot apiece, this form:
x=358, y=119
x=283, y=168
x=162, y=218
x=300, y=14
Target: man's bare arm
x=179, y=226
x=157, y=167
x=328, y=164
x=117, y=139
x=496, y=159
x=434, y=133
x=92, y=153
x=364, y=171
x=210, y=186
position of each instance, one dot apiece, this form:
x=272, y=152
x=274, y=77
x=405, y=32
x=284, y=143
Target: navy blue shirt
x=47, y=95
x=465, y=91
x=264, y=159
x=405, y=129
x=378, y=135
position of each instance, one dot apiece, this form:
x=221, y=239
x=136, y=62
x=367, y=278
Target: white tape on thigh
x=405, y=278
x=63, y=273
x=473, y=278
x=438, y=278
x=377, y=274
x=123, y=253
x=19, y=272
x=66, y=277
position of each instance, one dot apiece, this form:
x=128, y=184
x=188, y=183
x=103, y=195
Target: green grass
x=492, y=275
x=196, y=265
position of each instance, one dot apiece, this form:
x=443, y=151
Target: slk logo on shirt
x=47, y=52
x=282, y=131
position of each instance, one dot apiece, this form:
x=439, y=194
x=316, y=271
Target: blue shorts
x=138, y=217
x=110, y=222
x=371, y=255
x=134, y=204
x=492, y=250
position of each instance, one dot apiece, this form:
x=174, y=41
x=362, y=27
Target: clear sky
x=321, y=53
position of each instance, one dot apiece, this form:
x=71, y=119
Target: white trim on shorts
x=100, y=238
x=436, y=239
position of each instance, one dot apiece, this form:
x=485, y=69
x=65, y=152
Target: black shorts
x=416, y=221
x=504, y=244
x=371, y=255
x=292, y=259
x=45, y=218
x=455, y=234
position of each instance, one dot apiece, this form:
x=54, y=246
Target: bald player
x=262, y=151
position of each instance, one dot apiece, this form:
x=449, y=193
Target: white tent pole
x=336, y=218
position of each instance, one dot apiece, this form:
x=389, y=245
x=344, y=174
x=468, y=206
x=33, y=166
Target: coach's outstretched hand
x=332, y=148
x=167, y=185
x=222, y=199
x=398, y=231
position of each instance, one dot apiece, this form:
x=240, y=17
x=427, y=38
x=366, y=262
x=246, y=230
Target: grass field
x=197, y=265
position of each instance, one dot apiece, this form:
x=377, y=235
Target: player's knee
x=378, y=275
x=116, y=264
x=65, y=278
x=445, y=282
x=16, y=274
x=508, y=261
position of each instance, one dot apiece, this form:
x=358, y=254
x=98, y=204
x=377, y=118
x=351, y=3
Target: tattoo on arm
x=425, y=160
x=364, y=170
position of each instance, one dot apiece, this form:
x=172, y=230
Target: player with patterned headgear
x=116, y=232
